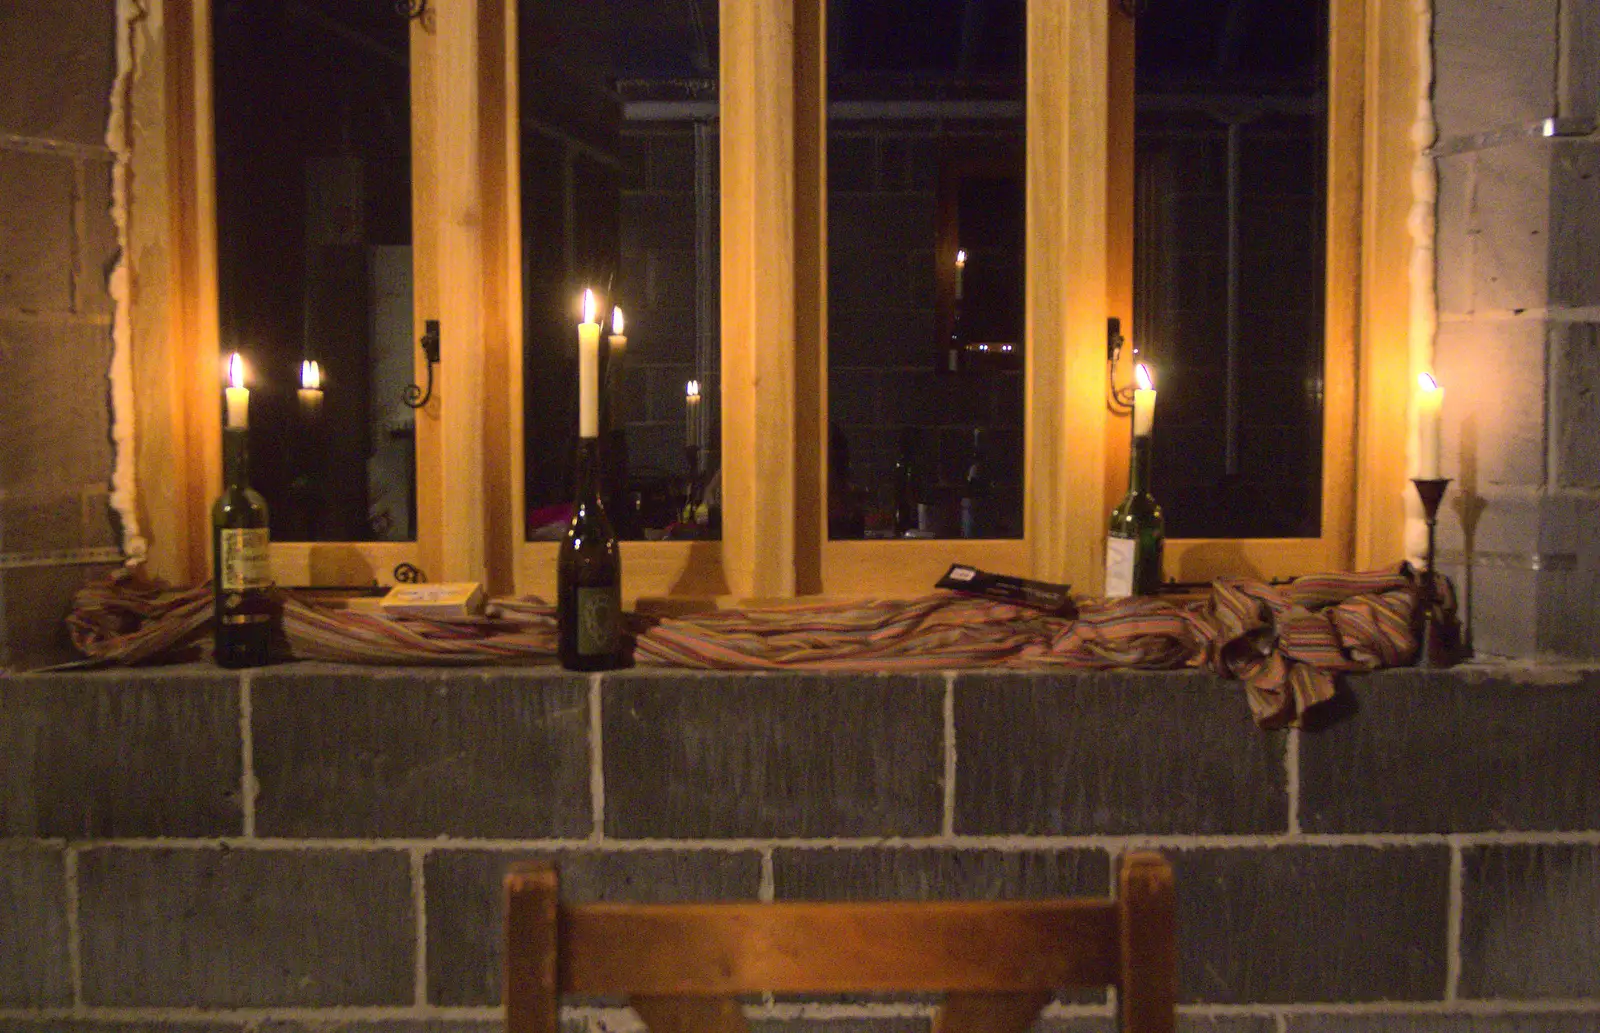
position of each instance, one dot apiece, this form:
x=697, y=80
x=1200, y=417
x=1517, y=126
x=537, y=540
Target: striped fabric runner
x=1287, y=643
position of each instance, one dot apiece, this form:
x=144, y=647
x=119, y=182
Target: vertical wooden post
x=1067, y=301
x=758, y=296
x=1147, y=981
x=532, y=989
x=462, y=268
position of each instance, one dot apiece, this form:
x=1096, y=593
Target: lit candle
x=691, y=413
x=618, y=343
x=1430, y=398
x=310, y=389
x=1144, y=401
x=961, y=271
x=588, y=371
x=236, y=395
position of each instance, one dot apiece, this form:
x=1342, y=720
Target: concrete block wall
x=1519, y=305
x=310, y=848
x=57, y=243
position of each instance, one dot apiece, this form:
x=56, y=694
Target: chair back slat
x=998, y=962
x=714, y=950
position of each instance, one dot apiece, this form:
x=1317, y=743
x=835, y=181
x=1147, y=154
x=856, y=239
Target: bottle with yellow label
x=242, y=570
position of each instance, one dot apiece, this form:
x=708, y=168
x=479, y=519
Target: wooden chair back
x=998, y=962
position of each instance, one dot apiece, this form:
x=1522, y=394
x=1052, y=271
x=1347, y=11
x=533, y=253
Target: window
x=469, y=216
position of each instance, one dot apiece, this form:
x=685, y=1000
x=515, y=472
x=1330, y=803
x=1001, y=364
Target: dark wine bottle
x=907, y=485
x=1138, y=533
x=975, y=492
x=589, y=577
x=242, y=569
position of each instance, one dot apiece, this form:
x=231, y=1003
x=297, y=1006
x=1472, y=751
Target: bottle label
x=599, y=620
x=244, y=560
x=1119, y=567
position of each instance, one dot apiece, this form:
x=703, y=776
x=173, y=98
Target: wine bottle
x=589, y=577
x=1134, y=546
x=975, y=492
x=242, y=570
x=907, y=485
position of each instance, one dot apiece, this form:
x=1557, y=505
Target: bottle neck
x=587, y=480
x=236, y=457
x=1139, y=466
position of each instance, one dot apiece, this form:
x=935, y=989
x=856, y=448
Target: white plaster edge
x=1422, y=224
x=131, y=16
x=1113, y=844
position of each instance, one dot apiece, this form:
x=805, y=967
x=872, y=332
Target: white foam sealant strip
x=132, y=19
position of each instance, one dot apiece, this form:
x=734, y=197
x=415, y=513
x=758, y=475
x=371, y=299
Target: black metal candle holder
x=1436, y=648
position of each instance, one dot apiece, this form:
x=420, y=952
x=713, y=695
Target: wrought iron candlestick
x=1433, y=649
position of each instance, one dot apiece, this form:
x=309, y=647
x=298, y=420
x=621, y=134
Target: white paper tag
x=1119, y=567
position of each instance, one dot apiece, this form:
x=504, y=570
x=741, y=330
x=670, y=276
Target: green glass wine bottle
x=589, y=577
x=242, y=569
x=1138, y=533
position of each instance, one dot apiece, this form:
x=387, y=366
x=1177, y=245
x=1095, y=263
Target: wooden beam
x=758, y=296
x=462, y=267
x=1067, y=303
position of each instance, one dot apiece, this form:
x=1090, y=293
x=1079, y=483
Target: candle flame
x=692, y=390
x=588, y=306
x=961, y=259
x=235, y=371
x=311, y=375
x=616, y=320
x=1426, y=382
x=1141, y=373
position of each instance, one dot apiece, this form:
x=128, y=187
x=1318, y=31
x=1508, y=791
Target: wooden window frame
x=774, y=319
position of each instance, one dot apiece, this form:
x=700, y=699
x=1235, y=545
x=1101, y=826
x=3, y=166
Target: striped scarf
x=1287, y=643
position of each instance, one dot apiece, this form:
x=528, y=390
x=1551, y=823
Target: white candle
x=236, y=395
x=961, y=271
x=1430, y=398
x=691, y=413
x=588, y=371
x=1144, y=401
x=617, y=342
x=310, y=388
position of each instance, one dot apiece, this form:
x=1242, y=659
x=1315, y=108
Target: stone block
x=1311, y=924
x=1454, y=233
x=1493, y=62
x=100, y=248
x=56, y=520
x=36, y=246
x=66, y=422
x=34, y=602
x=34, y=970
x=906, y=219
x=923, y=398
x=1530, y=921
x=135, y=753
x=633, y=160
x=853, y=396
x=659, y=220
x=1493, y=372
x=911, y=162
x=466, y=907
x=1401, y=765
x=1511, y=219
x=219, y=928
x=882, y=338
x=852, y=162
x=1575, y=224
x=62, y=91
x=773, y=755
x=864, y=272
x=672, y=160
x=937, y=873
x=1575, y=349
x=1578, y=82
x=1111, y=754
x=91, y=1026
x=412, y=754
x=1569, y=599
x=1459, y=1023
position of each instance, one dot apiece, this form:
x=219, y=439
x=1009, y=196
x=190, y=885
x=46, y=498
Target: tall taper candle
x=588, y=371
x=1430, y=398
x=1144, y=401
x=691, y=413
x=236, y=395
